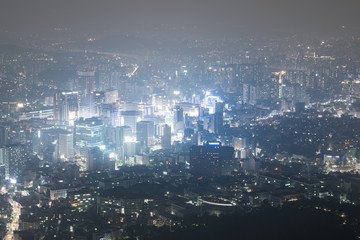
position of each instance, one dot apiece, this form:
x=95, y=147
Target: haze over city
x=211, y=17
x=200, y=119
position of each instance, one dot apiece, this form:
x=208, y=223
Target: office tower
x=36, y=141
x=110, y=115
x=131, y=148
x=165, y=133
x=50, y=153
x=89, y=134
x=200, y=126
x=66, y=107
x=99, y=100
x=119, y=136
x=87, y=106
x=210, y=101
x=178, y=114
x=219, y=118
x=3, y=136
x=145, y=133
x=178, y=119
x=95, y=160
x=130, y=118
x=211, y=160
x=66, y=145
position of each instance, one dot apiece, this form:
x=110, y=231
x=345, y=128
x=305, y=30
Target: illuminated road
x=14, y=225
x=133, y=73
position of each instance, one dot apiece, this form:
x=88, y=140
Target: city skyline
x=175, y=120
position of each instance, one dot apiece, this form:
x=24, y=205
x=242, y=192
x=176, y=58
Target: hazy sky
x=323, y=16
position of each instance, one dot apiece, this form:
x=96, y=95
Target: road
x=15, y=216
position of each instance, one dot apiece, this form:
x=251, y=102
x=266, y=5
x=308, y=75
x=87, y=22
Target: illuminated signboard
x=214, y=143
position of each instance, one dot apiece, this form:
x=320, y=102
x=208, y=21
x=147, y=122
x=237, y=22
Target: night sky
x=218, y=17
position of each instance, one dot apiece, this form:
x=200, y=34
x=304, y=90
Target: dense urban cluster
x=154, y=141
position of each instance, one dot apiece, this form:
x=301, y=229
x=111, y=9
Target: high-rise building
x=95, y=160
x=165, y=133
x=119, y=136
x=211, y=98
x=219, y=118
x=211, y=159
x=66, y=145
x=178, y=119
x=145, y=133
x=3, y=136
x=4, y=161
x=89, y=134
x=179, y=114
x=66, y=107
x=110, y=115
x=250, y=93
x=87, y=106
x=131, y=148
x=130, y=118
x=278, y=79
x=15, y=159
x=99, y=100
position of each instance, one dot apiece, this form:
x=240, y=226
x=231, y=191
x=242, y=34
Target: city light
x=179, y=120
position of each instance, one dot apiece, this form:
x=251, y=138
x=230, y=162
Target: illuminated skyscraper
x=15, y=159
x=66, y=145
x=119, y=137
x=66, y=107
x=89, y=134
